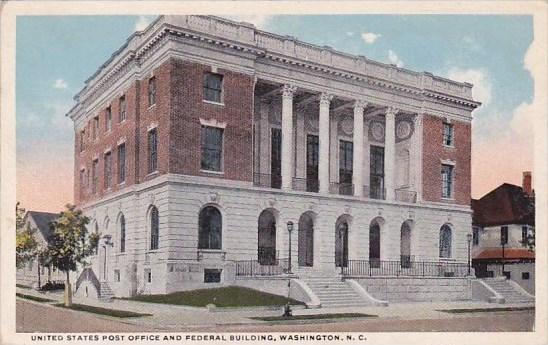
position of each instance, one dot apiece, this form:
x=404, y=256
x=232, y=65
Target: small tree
x=70, y=244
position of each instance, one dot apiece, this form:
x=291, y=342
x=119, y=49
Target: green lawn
x=22, y=286
x=313, y=317
x=103, y=311
x=485, y=310
x=231, y=296
x=34, y=298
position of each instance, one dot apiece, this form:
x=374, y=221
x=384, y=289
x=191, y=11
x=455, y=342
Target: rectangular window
x=212, y=148
x=524, y=236
x=475, y=237
x=346, y=152
x=121, y=163
x=151, y=91
x=213, y=87
x=376, y=179
x=276, y=158
x=82, y=182
x=525, y=275
x=312, y=161
x=212, y=275
x=448, y=137
x=108, y=119
x=95, y=127
x=82, y=140
x=117, y=275
x=152, y=150
x=148, y=275
x=446, y=181
x=122, y=109
x=95, y=176
x=108, y=170
x=503, y=235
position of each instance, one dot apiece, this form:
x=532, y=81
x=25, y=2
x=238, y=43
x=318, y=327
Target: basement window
x=525, y=275
x=117, y=275
x=212, y=276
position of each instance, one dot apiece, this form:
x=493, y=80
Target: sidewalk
x=168, y=317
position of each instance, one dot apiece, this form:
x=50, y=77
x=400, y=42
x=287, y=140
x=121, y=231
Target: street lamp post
x=469, y=239
x=287, y=309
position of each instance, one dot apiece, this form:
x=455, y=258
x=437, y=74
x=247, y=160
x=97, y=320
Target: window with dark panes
x=525, y=275
x=213, y=87
x=276, y=158
x=524, y=236
x=122, y=109
x=95, y=127
x=475, y=236
x=152, y=150
x=82, y=140
x=152, y=91
x=448, y=136
x=82, y=182
x=503, y=235
x=95, y=176
x=346, y=149
x=210, y=228
x=212, y=148
x=108, y=169
x=108, y=119
x=212, y=275
x=447, y=181
x=121, y=163
x=154, y=228
x=445, y=241
x=122, y=234
x=312, y=160
x=376, y=177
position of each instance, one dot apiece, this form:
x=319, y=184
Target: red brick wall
x=187, y=109
x=434, y=151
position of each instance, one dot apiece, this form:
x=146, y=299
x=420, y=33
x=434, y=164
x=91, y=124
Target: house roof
x=42, y=221
x=506, y=204
x=509, y=254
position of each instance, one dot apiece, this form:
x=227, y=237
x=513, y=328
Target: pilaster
x=323, y=169
x=287, y=136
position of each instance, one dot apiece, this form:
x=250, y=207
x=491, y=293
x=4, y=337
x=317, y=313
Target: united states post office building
x=201, y=138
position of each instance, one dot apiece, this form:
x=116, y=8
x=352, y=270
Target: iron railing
x=404, y=195
x=376, y=268
x=251, y=268
x=267, y=180
x=341, y=188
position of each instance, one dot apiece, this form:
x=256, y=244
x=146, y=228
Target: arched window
x=445, y=241
x=374, y=244
x=267, y=238
x=154, y=228
x=122, y=234
x=210, y=228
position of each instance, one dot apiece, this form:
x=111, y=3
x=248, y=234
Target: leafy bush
x=50, y=286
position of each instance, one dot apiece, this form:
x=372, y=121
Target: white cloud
x=393, y=58
x=479, y=78
x=370, y=37
x=143, y=22
x=60, y=84
x=259, y=20
x=349, y=33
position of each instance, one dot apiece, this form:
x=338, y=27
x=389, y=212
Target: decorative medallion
x=380, y=211
x=347, y=209
x=312, y=206
x=272, y=202
x=403, y=130
x=214, y=197
x=411, y=215
x=347, y=125
x=377, y=131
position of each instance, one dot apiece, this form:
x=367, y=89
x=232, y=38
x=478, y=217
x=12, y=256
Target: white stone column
x=416, y=160
x=357, y=159
x=390, y=152
x=323, y=168
x=287, y=136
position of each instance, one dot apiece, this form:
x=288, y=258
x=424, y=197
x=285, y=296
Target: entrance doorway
x=306, y=240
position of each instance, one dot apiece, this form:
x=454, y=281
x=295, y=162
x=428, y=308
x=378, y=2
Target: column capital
x=360, y=104
x=325, y=98
x=392, y=111
x=288, y=90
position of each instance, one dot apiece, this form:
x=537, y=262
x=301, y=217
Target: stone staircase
x=333, y=292
x=106, y=292
x=508, y=291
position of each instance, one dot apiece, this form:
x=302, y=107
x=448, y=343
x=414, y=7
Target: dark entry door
x=306, y=241
x=341, y=245
x=276, y=158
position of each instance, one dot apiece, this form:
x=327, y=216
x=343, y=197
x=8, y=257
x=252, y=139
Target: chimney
x=527, y=183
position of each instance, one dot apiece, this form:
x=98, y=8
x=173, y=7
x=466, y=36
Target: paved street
x=32, y=317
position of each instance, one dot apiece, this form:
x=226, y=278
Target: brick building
x=201, y=138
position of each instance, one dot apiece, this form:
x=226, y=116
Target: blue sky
x=56, y=54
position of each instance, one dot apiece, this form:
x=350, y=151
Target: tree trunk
x=68, y=291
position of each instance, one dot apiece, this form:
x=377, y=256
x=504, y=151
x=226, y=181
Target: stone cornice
x=245, y=38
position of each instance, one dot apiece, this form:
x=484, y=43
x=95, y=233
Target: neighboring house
x=28, y=275
x=506, y=215
x=201, y=138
